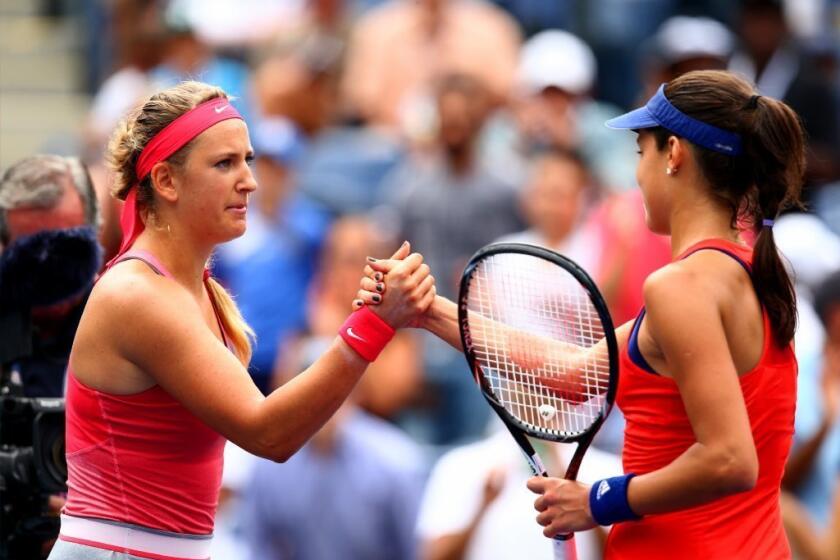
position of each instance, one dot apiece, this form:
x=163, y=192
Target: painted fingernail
x=380, y=288
x=357, y=302
x=378, y=276
x=371, y=259
x=376, y=297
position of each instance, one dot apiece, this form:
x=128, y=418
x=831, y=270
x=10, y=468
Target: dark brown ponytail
x=757, y=185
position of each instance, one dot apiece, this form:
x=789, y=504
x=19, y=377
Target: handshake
x=408, y=283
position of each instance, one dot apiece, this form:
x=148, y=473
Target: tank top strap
x=146, y=257
x=740, y=253
x=155, y=264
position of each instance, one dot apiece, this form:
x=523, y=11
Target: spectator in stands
x=398, y=51
x=352, y=492
x=187, y=56
x=769, y=55
x=810, y=498
x=555, y=202
x=343, y=165
x=442, y=201
x=449, y=205
x=553, y=107
x=392, y=382
x=683, y=44
x=475, y=505
x=814, y=464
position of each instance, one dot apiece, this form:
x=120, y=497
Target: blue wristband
x=608, y=500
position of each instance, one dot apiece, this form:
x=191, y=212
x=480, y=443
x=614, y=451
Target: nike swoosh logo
x=354, y=335
x=220, y=109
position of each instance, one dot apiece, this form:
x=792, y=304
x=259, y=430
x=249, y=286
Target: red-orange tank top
x=742, y=526
x=141, y=459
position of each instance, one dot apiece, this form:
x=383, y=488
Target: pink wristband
x=366, y=333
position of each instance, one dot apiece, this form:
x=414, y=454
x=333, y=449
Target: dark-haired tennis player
x=708, y=374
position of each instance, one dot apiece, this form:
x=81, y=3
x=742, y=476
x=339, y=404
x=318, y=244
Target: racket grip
x=564, y=547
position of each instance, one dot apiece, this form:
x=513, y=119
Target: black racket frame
x=518, y=429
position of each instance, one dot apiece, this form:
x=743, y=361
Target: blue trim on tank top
x=633, y=346
x=633, y=342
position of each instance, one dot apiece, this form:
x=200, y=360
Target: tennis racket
x=541, y=346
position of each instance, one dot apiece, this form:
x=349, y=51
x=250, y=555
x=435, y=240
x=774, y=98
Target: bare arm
x=801, y=460
x=453, y=546
x=558, y=365
x=723, y=459
x=833, y=534
x=442, y=320
x=800, y=529
x=172, y=343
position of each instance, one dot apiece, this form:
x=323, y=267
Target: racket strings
x=534, y=331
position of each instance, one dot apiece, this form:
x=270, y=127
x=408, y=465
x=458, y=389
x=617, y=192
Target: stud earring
x=670, y=171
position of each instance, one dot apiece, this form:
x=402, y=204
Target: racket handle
x=564, y=547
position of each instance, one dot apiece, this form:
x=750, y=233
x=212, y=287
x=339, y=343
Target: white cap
x=558, y=59
x=683, y=37
x=812, y=249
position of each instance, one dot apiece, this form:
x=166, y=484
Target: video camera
x=32, y=461
x=45, y=269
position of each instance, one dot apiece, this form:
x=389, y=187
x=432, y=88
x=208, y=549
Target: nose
x=248, y=183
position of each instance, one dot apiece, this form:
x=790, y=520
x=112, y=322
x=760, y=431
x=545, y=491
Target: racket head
x=540, y=294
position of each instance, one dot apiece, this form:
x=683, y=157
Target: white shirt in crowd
x=508, y=528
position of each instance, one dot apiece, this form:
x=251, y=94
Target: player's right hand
x=407, y=281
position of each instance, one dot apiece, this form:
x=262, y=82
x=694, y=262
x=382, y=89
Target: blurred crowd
x=454, y=124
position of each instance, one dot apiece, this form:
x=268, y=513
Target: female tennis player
x=708, y=374
x=157, y=378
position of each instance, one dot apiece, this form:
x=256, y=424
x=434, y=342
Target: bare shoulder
x=671, y=285
x=131, y=300
x=707, y=276
x=133, y=287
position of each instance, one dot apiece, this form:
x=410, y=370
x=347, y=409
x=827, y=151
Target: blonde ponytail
x=237, y=331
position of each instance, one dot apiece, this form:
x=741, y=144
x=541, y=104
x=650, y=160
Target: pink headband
x=172, y=138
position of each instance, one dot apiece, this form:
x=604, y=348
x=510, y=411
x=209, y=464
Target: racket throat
x=536, y=464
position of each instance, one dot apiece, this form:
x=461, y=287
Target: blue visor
x=660, y=112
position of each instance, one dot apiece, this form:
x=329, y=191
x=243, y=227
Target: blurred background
x=453, y=124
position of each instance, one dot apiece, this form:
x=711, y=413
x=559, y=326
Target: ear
x=677, y=152
x=164, y=181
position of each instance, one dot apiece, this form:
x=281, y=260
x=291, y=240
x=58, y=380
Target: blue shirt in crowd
x=356, y=501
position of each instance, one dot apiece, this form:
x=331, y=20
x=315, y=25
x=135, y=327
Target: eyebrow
x=225, y=155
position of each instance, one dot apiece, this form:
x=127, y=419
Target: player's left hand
x=563, y=505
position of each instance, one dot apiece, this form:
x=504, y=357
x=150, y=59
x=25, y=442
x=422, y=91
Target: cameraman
x=49, y=257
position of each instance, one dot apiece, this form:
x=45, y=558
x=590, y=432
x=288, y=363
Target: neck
x=185, y=260
x=555, y=238
x=460, y=159
x=696, y=219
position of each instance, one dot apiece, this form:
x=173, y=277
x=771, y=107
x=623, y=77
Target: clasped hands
x=408, y=282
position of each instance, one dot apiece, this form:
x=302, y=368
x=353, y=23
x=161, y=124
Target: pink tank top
x=143, y=458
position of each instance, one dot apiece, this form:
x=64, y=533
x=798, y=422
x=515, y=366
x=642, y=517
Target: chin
x=231, y=233
x=657, y=227
x=237, y=232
